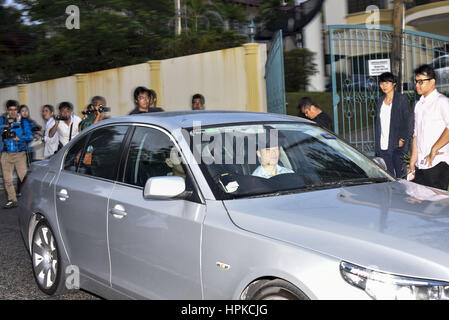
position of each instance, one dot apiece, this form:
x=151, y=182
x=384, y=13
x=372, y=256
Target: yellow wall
x=231, y=79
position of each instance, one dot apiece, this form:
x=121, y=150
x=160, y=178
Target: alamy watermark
x=221, y=146
x=72, y=279
x=373, y=19
x=73, y=20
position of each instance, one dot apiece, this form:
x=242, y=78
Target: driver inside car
x=268, y=155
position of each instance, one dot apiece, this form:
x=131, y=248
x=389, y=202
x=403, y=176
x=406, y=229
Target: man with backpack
x=16, y=134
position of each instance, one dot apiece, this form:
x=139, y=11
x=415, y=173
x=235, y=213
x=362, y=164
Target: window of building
x=355, y=6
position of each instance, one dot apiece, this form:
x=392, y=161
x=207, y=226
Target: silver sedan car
x=229, y=205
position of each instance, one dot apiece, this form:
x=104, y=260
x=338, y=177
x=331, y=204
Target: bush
x=323, y=99
x=298, y=66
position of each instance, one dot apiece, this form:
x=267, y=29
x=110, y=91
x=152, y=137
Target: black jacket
x=401, y=123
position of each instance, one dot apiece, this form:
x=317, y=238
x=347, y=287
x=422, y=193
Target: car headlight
x=385, y=286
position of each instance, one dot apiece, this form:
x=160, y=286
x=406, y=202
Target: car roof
x=172, y=120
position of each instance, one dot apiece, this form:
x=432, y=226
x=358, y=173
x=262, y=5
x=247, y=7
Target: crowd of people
x=21, y=134
x=413, y=142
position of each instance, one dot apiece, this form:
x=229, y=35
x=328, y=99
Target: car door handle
x=118, y=211
x=63, y=195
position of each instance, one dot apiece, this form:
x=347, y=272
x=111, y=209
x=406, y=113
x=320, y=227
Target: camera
x=61, y=118
x=7, y=132
x=87, y=112
x=101, y=108
x=36, y=128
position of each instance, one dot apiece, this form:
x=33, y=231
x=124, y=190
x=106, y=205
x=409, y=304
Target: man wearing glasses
x=145, y=100
x=429, y=162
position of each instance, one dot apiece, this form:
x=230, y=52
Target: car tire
x=277, y=289
x=46, y=260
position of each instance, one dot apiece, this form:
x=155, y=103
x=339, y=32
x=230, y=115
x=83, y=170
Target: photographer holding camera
x=16, y=134
x=66, y=124
x=95, y=113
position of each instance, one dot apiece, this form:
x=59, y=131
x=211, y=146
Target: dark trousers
x=394, y=161
x=437, y=177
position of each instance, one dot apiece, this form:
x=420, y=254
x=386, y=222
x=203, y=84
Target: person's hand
x=401, y=143
x=431, y=156
x=411, y=173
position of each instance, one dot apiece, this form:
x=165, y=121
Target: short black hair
x=49, y=107
x=139, y=90
x=152, y=93
x=12, y=103
x=23, y=106
x=387, y=77
x=199, y=96
x=98, y=98
x=65, y=104
x=306, y=102
x=426, y=70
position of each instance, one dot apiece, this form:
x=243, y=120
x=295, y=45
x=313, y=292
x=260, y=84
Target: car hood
x=398, y=227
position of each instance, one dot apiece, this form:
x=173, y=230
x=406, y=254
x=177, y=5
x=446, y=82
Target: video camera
x=101, y=108
x=87, y=112
x=61, y=118
x=36, y=128
x=7, y=132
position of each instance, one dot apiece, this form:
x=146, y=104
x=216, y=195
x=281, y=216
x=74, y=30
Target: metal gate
x=274, y=76
x=355, y=92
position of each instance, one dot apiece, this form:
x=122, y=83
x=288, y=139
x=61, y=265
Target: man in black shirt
x=312, y=111
x=145, y=100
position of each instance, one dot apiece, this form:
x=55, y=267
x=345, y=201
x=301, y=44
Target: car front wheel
x=46, y=259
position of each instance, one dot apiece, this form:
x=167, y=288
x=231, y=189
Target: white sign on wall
x=378, y=66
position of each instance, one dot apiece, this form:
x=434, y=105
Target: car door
x=154, y=244
x=82, y=192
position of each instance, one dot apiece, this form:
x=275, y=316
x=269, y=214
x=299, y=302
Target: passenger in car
x=175, y=163
x=268, y=154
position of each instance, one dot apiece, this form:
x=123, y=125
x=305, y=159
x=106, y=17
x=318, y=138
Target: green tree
x=16, y=39
x=114, y=33
x=271, y=10
x=111, y=34
x=192, y=43
x=298, y=66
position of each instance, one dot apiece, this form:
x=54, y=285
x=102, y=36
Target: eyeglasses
x=421, y=81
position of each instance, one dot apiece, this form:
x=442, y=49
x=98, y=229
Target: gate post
x=81, y=91
x=252, y=77
x=155, y=79
x=22, y=93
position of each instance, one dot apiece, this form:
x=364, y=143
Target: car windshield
x=253, y=160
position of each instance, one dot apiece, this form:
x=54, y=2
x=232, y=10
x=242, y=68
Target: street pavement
x=16, y=276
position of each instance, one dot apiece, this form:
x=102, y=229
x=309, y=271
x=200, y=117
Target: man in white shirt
x=66, y=124
x=430, y=149
x=50, y=144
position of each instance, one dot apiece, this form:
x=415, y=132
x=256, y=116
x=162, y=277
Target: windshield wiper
x=312, y=187
x=357, y=181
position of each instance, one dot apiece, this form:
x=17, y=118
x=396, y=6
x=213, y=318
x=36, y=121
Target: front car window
x=151, y=154
x=269, y=158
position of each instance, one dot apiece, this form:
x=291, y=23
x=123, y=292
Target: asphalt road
x=16, y=276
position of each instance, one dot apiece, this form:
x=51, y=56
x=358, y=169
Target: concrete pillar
x=155, y=79
x=252, y=77
x=81, y=92
x=22, y=93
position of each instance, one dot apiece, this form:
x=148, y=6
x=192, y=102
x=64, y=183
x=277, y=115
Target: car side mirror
x=380, y=162
x=164, y=187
